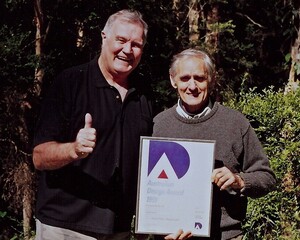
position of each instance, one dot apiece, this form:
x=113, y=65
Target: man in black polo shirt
x=86, y=144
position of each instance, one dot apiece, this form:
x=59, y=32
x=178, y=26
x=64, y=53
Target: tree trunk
x=39, y=42
x=175, y=7
x=212, y=31
x=80, y=35
x=293, y=82
x=27, y=200
x=193, y=16
x=23, y=172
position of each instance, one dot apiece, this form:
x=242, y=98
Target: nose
x=192, y=84
x=127, y=47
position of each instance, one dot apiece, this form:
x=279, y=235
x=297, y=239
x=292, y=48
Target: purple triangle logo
x=176, y=154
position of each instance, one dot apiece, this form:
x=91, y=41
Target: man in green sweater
x=241, y=167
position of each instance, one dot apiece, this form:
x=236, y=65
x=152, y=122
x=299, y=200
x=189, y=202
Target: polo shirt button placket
x=118, y=98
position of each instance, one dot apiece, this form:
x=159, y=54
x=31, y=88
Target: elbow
x=37, y=160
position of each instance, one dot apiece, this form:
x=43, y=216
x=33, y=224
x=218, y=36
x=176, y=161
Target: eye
x=137, y=45
x=200, y=78
x=185, y=78
x=121, y=40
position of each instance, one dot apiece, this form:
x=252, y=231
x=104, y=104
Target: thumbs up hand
x=88, y=121
x=86, y=138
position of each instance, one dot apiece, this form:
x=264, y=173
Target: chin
x=193, y=107
x=124, y=67
x=194, y=104
x=123, y=70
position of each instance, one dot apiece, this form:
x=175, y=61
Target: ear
x=103, y=35
x=173, y=83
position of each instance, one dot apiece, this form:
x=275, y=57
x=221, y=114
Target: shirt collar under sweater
x=183, y=113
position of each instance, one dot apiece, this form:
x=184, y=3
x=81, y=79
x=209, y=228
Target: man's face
x=122, y=47
x=191, y=81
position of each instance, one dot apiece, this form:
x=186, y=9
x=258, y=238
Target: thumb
x=88, y=121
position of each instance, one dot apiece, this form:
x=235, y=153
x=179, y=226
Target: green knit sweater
x=237, y=148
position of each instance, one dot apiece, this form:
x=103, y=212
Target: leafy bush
x=276, y=119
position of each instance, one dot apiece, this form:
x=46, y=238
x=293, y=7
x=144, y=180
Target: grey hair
x=131, y=16
x=191, y=52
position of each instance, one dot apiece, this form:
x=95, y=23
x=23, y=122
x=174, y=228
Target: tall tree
x=17, y=178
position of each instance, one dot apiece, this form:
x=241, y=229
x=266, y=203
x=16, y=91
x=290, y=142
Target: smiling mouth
x=124, y=59
x=193, y=94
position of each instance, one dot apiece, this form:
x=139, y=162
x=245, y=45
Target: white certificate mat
x=174, y=186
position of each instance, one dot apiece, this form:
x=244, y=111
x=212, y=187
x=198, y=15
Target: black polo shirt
x=98, y=193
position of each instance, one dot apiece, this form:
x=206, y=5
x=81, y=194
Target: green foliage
x=14, y=46
x=16, y=81
x=258, y=46
x=13, y=224
x=223, y=27
x=17, y=64
x=276, y=119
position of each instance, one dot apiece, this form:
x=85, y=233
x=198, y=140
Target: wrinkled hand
x=180, y=235
x=86, y=138
x=224, y=178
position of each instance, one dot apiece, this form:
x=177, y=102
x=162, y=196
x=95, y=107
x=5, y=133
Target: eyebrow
x=138, y=43
x=188, y=75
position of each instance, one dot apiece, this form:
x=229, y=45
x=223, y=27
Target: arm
x=256, y=177
x=53, y=155
x=256, y=172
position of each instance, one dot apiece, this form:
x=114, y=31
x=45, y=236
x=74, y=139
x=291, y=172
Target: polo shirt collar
x=96, y=74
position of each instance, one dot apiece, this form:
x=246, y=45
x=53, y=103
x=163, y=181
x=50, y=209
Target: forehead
x=123, y=26
x=191, y=65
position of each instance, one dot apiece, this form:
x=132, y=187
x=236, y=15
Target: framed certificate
x=174, y=186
